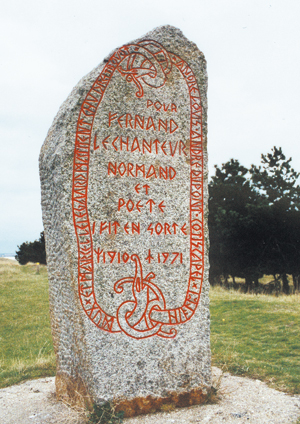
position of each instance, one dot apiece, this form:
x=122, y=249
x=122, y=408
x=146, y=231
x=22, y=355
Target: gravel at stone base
x=242, y=400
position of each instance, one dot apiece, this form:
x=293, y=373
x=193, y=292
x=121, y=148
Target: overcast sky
x=252, y=49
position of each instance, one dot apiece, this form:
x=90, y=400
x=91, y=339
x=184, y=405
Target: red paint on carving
x=120, y=144
x=151, y=203
x=149, y=257
x=162, y=206
x=145, y=63
x=175, y=257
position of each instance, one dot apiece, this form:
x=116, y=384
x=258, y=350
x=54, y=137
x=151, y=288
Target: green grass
x=26, y=350
x=257, y=336
x=253, y=335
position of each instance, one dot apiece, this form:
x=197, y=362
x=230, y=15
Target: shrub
x=32, y=251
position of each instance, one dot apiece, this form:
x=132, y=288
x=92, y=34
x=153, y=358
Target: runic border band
x=168, y=317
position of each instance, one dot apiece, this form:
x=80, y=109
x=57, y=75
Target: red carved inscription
x=146, y=313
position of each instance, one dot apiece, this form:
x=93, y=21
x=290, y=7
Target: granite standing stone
x=124, y=197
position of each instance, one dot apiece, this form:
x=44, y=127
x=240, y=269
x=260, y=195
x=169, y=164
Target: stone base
x=73, y=392
x=151, y=404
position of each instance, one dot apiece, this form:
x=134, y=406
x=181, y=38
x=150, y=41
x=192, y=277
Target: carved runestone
x=124, y=198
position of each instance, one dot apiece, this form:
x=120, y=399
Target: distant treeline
x=254, y=222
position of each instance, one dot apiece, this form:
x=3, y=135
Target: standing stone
x=124, y=199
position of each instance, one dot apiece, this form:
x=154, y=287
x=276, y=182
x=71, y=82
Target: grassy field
x=257, y=336
x=25, y=340
x=253, y=335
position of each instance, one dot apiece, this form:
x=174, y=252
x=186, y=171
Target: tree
x=231, y=197
x=32, y=251
x=276, y=181
x=254, y=220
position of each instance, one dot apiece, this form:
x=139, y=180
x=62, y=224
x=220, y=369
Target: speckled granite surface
x=124, y=198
